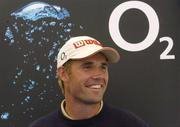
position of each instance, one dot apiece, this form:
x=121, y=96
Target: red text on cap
x=82, y=43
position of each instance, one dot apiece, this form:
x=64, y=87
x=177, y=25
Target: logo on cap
x=82, y=43
x=63, y=56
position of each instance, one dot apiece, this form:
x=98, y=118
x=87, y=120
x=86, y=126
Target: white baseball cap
x=83, y=46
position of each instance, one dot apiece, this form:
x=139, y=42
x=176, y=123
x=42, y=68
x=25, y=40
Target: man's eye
x=104, y=67
x=87, y=66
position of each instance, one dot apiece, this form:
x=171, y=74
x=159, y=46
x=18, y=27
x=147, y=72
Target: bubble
x=9, y=36
x=39, y=10
x=29, y=85
x=5, y=115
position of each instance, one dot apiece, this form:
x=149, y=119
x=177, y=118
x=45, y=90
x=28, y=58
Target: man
x=82, y=70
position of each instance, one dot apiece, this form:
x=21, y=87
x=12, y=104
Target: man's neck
x=80, y=111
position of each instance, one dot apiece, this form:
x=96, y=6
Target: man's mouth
x=95, y=86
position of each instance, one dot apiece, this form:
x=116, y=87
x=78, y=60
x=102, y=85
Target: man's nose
x=98, y=74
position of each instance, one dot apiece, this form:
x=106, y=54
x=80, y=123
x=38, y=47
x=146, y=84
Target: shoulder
x=47, y=120
x=125, y=117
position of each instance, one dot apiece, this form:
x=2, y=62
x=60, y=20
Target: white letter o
x=153, y=25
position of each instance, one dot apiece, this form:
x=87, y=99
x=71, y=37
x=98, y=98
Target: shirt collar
x=69, y=117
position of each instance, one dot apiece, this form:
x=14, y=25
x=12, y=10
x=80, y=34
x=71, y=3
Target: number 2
x=164, y=54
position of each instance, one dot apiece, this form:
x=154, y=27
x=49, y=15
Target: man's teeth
x=95, y=86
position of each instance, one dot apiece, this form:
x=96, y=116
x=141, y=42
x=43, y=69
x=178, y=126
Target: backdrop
x=146, y=81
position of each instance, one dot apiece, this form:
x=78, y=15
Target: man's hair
x=67, y=67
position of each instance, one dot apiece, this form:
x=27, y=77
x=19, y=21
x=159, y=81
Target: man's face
x=87, y=80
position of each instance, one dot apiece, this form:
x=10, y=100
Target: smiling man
x=82, y=70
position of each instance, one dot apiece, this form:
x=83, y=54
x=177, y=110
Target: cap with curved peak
x=82, y=47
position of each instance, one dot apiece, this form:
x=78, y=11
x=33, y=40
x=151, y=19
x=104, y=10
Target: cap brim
x=110, y=53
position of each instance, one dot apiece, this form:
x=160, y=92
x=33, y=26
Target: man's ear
x=62, y=73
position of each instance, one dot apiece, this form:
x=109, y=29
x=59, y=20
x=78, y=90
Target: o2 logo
x=152, y=32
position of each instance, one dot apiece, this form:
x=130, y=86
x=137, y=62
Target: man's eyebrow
x=86, y=63
x=105, y=64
